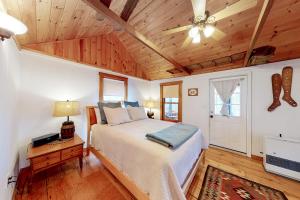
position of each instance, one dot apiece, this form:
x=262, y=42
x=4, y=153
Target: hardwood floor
x=245, y=167
x=95, y=182
x=68, y=182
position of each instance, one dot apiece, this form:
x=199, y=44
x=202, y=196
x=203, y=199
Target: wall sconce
x=10, y=26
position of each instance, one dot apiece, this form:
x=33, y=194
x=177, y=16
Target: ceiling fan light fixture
x=196, y=39
x=209, y=30
x=194, y=32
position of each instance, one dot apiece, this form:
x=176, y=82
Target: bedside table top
x=48, y=148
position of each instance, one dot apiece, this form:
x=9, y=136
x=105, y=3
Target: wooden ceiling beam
x=128, y=9
x=99, y=7
x=258, y=28
x=228, y=66
x=106, y=2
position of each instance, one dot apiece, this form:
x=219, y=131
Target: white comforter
x=155, y=169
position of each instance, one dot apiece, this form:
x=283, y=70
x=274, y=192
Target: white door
x=230, y=130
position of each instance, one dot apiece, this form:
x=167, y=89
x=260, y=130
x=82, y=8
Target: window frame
x=163, y=103
x=102, y=76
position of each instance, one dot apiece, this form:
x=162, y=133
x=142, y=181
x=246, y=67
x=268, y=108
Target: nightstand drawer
x=45, y=158
x=71, y=152
x=46, y=163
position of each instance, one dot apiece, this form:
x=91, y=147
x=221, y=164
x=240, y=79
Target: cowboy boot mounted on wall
x=287, y=77
x=276, y=86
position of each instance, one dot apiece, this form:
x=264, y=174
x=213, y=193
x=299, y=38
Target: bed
x=147, y=169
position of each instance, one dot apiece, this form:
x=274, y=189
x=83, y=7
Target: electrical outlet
x=11, y=180
x=7, y=178
x=10, y=184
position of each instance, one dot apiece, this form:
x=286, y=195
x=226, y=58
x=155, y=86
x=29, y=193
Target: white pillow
x=98, y=116
x=137, y=113
x=116, y=116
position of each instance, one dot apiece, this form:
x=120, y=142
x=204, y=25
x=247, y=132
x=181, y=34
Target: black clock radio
x=44, y=139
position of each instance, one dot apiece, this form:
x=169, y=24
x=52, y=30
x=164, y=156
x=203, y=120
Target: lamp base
x=67, y=130
x=150, y=115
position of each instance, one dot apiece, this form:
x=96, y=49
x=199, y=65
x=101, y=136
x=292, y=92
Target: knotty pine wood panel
x=57, y=8
x=117, y=6
x=239, y=29
x=59, y=20
x=237, y=38
x=104, y=51
x=282, y=30
x=208, y=49
x=128, y=9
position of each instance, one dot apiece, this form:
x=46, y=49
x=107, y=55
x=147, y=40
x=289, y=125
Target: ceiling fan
x=204, y=24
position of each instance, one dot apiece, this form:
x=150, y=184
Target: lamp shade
x=149, y=104
x=66, y=108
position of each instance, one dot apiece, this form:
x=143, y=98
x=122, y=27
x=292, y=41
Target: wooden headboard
x=91, y=120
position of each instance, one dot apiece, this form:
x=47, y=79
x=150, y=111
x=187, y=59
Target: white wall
x=9, y=84
x=45, y=79
x=31, y=82
x=284, y=119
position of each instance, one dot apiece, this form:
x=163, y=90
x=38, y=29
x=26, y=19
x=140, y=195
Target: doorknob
x=211, y=116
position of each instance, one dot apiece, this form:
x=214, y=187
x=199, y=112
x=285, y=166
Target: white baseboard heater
x=282, y=156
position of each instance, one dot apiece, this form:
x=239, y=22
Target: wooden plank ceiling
x=104, y=51
x=58, y=20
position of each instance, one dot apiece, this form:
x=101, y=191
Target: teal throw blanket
x=173, y=136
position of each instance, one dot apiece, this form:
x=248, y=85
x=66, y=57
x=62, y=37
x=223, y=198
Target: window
x=171, y=108
x=171, y=101
x=112, y=88
x=234, y=103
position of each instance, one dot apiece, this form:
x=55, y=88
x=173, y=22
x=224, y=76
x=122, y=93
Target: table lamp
x=66, y=109
x=150, y=104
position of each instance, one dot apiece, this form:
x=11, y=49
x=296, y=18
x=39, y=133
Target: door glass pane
x=171, y=100
x=218, y=109
x=218, y=99
x=235, y=98
x=235, y=110
x=234, y=103
x=218, y=103
x=171, y=111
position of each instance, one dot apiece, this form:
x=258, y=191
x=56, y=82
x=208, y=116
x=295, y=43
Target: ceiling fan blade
x=199, y=7
x=186, y=42
x=177, y=29
x=235, y=8
x=218, y=34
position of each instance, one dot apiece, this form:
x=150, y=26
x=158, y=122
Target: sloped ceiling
x=104, y=51
x=53, y=20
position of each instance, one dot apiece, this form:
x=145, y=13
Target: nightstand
x=50, y=155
